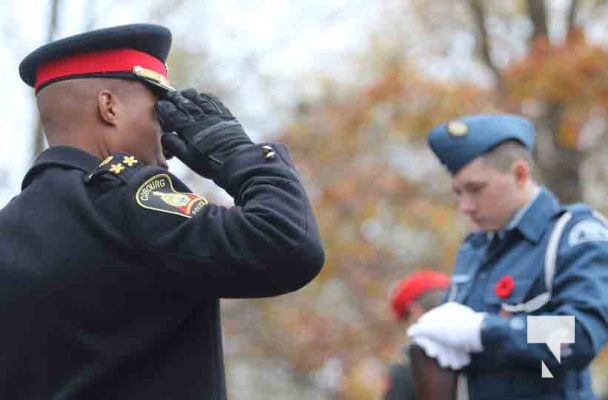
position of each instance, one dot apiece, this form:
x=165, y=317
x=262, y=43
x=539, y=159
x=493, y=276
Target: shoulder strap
x=549, y=270
x=551, y=253
x=601, y=217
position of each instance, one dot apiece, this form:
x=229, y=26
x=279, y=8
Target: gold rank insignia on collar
x=457, y=128
x=129, y=161
x=117, y=168
x=105, y=161
x=117, y=164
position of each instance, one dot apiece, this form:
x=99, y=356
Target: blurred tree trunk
x=558, y=165
x=479, y=17
x=538, y=16
x=51, y=32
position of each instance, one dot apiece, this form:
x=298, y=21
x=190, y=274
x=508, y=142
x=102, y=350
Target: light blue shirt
x=516, y=217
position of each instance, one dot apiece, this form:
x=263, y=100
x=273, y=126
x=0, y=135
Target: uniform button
x=269, y=153
x=517, y=324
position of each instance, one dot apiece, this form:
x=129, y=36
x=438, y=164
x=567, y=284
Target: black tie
x=493, y=244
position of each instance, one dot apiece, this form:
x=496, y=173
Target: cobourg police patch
x=158, y=194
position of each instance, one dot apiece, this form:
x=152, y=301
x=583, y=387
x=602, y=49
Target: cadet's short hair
x=503, y=156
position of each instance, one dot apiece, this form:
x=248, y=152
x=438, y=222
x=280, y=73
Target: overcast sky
x=290, y=39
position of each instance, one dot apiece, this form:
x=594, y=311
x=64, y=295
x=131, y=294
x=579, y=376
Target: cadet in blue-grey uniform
x=530, y=257
x=111, y=270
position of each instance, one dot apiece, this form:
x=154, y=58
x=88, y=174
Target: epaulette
x=119, y=165
x=578, y=208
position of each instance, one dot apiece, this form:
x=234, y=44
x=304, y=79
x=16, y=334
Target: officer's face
x=140, y=126
x=486, y=195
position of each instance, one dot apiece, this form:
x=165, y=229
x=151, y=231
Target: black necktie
x=493, y=244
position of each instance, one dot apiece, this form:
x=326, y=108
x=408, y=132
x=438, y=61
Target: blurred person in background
x=531, y=256
x=412, y=296
x=111, y=269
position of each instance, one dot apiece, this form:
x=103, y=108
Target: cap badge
x=457, y=128
x=153, y=76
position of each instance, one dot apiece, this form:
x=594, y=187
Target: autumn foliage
x=384, y=204
x=571, y=74
x=384, y=209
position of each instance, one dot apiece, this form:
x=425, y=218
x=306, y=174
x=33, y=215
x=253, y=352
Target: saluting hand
x=207, y=132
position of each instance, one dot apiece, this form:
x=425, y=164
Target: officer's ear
x=521, y=172
x=108, y=106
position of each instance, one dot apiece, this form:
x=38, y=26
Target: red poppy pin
x=504, y=287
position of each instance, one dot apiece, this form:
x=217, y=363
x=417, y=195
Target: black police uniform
x=111, y=271
x=103, y=298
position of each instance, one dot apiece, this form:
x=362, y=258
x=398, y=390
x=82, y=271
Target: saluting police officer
x=111, y=270
x=531, y=257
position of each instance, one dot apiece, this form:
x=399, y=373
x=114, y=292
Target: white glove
x=451, y=324
x=447, y=357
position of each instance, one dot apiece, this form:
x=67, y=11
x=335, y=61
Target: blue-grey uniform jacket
x=509, y=367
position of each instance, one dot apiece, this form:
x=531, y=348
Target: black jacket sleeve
x=267, y=244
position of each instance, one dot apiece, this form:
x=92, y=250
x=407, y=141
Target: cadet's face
x=141, y=126
x=487, y=196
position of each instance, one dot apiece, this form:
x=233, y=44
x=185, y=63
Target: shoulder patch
x=158, y=194
x=588, y=230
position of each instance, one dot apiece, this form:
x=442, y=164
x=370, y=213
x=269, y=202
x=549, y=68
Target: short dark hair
x=431, y=298
x=505, y=154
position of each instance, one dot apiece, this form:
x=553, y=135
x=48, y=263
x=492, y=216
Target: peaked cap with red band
x=136, y=51
x=414, y=286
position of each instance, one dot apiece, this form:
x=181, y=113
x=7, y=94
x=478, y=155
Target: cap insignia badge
x=457, y=128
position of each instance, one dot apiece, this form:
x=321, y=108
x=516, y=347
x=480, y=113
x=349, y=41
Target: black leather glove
x=207, y=133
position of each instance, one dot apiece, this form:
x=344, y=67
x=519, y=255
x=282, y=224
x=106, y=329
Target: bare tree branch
x=479, y=17
x=538, y=15
x=572, y=12
x=598, y=4
x=50, y=35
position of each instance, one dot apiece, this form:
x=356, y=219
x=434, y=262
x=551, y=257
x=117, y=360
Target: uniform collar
x=520, y=213
x=63, y=156
x=514, y=221
x=534, y=220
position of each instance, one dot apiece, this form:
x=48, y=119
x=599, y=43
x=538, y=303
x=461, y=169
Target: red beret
x=136, y=51
x=413, y=286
